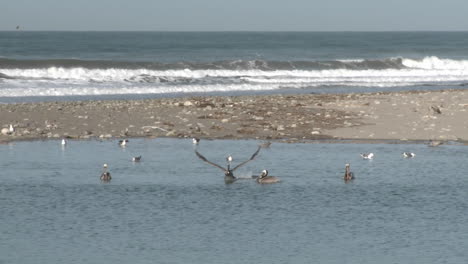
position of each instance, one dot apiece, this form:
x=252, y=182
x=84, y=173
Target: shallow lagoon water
x=173, y=208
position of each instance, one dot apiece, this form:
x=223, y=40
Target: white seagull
x=123, y=142
x=409, y=155
x=367, y=156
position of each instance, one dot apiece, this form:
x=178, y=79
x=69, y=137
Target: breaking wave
x=68, y=77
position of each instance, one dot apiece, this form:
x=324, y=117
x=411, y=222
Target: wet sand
x=402, y=116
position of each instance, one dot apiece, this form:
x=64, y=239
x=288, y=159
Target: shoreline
x=409, y=116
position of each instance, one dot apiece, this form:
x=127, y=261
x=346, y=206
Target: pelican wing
x=207, y=161
x=251, y=158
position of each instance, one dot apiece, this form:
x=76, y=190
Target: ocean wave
x=429, y=62
x=391, y=63
x=63, y=81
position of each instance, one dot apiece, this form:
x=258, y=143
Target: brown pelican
x=264, y=178
x=228, y=172
x=348, y=174
x=105, y=176
x=409, y=155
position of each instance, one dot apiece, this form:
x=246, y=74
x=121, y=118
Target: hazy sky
x=222, y=15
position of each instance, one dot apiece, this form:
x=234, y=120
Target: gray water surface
x=173, y=208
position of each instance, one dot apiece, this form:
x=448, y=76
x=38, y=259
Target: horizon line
x=226, y=31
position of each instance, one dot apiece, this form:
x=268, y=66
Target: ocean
x=174, y=208
x=38, y=66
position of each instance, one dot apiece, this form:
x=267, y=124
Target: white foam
x=435, y=63
x=56, y=81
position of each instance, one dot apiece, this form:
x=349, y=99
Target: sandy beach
x=405, y=116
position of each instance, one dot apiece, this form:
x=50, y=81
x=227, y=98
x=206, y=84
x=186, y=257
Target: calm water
x=173, y=208
x=37, y=66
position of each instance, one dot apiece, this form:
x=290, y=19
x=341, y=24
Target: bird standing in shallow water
x=105, y=176
x=348, y=174
x=136, y=159
x=228, y=172
x=195, y=141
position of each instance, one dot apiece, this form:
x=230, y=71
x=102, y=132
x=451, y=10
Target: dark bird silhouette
x=436, y=109
x=228, y=172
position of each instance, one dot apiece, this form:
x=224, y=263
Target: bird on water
x=228, y=172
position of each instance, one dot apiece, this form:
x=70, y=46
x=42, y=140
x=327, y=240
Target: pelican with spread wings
x=228, y=172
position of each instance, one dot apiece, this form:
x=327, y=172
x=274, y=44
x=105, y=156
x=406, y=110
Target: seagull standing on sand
x=228, y=172
x=264, y=178
x=11, y=129
x=367, y=156
x=409, y=155
x=105, y=176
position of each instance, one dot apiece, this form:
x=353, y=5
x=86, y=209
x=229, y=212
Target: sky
x=234, y=15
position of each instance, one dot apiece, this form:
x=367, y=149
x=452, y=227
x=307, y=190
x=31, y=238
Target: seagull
x=64, y=142
x=409, y=155
x=123, y=142
x=195, y=141
x=264, y=178
x=11, y=128
x=228, y=172
x=367, y=156
x=348, y=174
x=435, y=143
x=105, y=176
x=136, y=159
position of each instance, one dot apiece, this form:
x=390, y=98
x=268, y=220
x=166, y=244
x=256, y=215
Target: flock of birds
x=229, y=170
